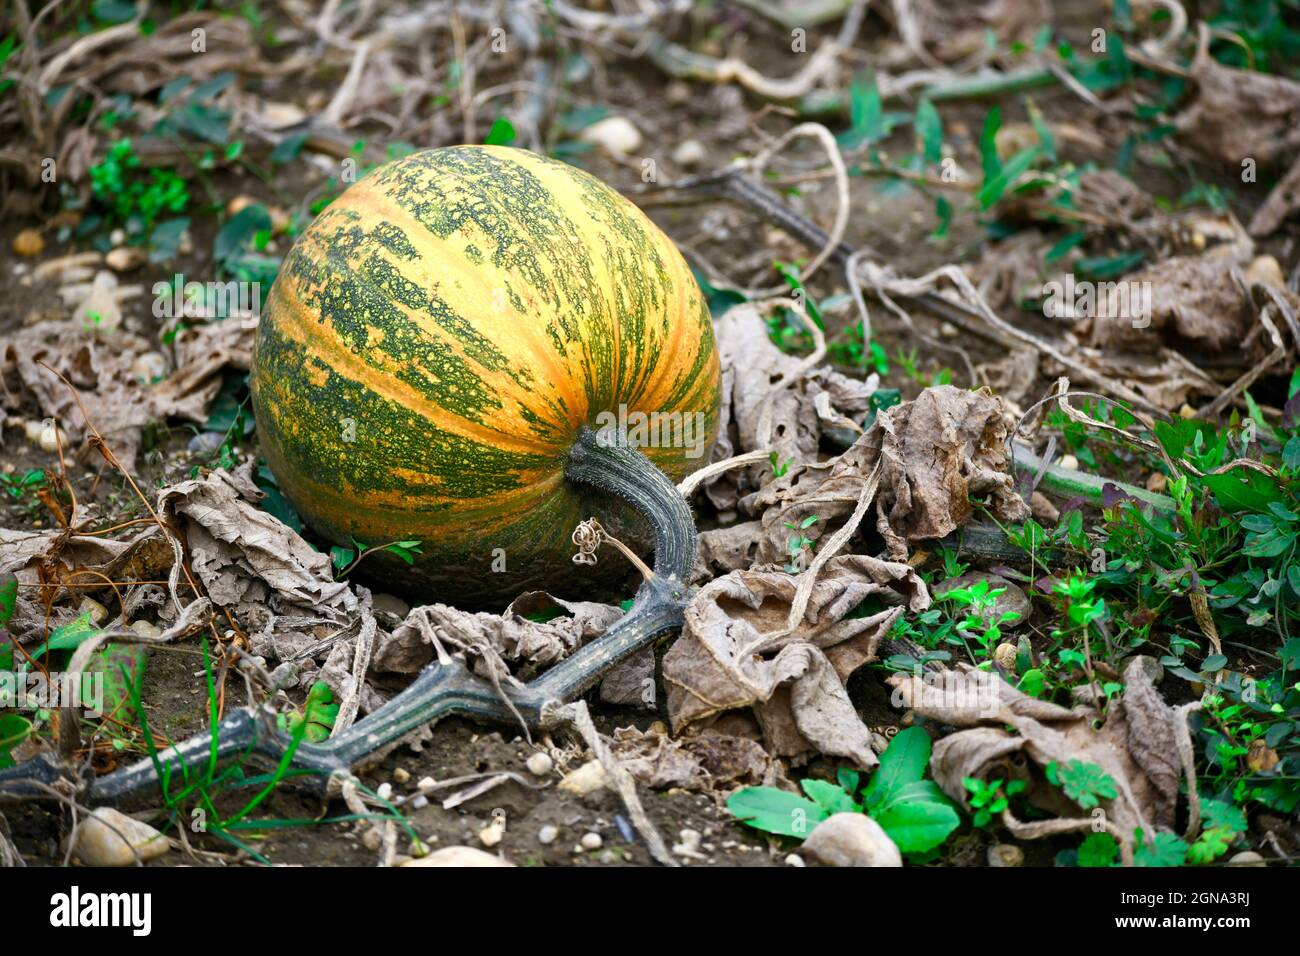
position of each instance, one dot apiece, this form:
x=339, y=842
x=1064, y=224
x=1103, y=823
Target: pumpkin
x=436, y=339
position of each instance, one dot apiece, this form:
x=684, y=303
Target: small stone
x=1069, y=461
x=1043, y=510
x=390, y=604
x=401, y=775
x=548, y=834
x=1187, y=412
x=492, y=834
x=1157, y=482
x=117, y=237
x=1006, y=854
x=384, y=791
x=419, y=848
x=949, y=331
x=205, y=443
x=539, y=764
x=587, y=779
x=125, y=258
x=608, y=857
x=851, y=839
x=615, y=134
x=111, y=838
x=239, y=203
x=419, y=802
x=459, y=856
x=1246, y=858
x=425, y=784
x=794, y=859
x=372, y=840
x=149, y=368
x=592, y=841
x=689, y=845
x=690, y=152
x=1267, y=271
x=98, y=613
x=678, y=93
x=28, y=244
x=145, y=628
x=1005, y=655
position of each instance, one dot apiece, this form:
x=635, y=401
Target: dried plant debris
x=1138, y=741
x=1193, y=300
x=535, y=631
x=707, y=761
x=1282, y=202
x=55, y=568
x=756, y=416
x=1238, y=116
x=936, y=453
x=112, y=373
x=735, y=652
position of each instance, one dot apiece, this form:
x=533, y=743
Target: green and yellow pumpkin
x=434, y=343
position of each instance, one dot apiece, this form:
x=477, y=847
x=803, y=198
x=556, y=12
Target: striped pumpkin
x=434, y=342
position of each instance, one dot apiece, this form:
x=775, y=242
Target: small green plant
x=16, y=486
x=988, y=798
x=913, y=811
x=132, y=198
x=799, y=545
x=1084, y=783
x=346, y=559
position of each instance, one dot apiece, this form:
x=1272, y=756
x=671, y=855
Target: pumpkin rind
x=436, y=339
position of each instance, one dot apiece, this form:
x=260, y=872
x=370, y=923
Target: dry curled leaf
x=935, y=454
x=735, y=652
x=752, y=416
x=515, y=636
x=710, y=762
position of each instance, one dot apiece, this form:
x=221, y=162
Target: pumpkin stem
x=603, y=459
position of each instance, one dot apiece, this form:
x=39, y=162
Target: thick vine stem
x=445, y=686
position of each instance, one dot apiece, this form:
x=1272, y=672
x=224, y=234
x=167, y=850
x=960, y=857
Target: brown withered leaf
x=514, y=636
x=734, y=653
x=935, y=453
x=709, y=761
x=751, y=364
x=101, y=366
x=1236, y=115
x=1282, y=202
x=1141, y=744
x=1193, y=299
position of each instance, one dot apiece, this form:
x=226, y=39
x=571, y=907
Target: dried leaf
x=727, y=657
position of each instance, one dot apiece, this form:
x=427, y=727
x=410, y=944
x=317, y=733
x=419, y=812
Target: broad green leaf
x=775, y=811
x=14, y=729
x=916, y=827
x=1242, y=489
x=8, y=597
x=123, y=667
x=829, y=797
x=903, y=762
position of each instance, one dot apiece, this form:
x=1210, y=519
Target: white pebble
x=540, y=764
x=592, y=841
x=548, y=834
